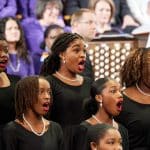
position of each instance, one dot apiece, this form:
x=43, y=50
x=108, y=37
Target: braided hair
x=52, y=62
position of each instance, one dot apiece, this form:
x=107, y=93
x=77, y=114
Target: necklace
x=113, y=122
x=38, y=134
x=15, y=69
x=142, y=92
x=63, y=77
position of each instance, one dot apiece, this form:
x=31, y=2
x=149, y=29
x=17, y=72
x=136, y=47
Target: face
x=44, y=97
x=52, y=36
x=103, y=12
x=146, y=70
x=111, y=141
x=51, y=13
x=112, y=98
x=75, y=56
x=86, y=27
x=3, y=57
x=12, y=31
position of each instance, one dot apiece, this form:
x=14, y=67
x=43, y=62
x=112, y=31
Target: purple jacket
x=26, y=8
x=8, y=8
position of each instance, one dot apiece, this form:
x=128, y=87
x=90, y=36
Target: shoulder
x=13, y=78
x=9, y=128
x=55, y=125
x=122, y=129
x=85, y=124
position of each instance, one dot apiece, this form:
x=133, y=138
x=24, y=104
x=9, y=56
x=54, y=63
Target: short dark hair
x=98, y=131
x=91, y=105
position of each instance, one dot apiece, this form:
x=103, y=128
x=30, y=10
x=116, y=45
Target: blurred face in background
x=86, y=26
x=51, y=13
x=52, y=35
x=103, y=12
x=12, y=31
x=3, y=55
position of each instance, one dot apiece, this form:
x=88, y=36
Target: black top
x=135, y=117
x=123, y=131
x=16, y=137
x=68, y=101
x=7, y=111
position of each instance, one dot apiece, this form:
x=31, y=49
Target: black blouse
x=16, y=137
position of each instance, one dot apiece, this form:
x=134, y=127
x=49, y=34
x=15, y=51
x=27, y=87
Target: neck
x=4, y=80
x=143, y=89
x=104, y=117
x=12, y=47
x=68, y=75
x=32, y=117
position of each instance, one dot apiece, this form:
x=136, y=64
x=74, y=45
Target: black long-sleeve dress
x=135, y=117
x=16, y=137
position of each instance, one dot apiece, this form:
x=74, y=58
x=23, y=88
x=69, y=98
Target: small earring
x=64, y=61
x=100, y=103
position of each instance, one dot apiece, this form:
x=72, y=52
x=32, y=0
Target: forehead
x=112, y=133
x=56, y=31
x=88, y=16
x=112, y=83
x=77, y=42
x=102, y=3
x=43, y=83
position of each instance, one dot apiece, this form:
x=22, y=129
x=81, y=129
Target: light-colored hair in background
x=93, y=3
x=78, y=15
x=41, y=5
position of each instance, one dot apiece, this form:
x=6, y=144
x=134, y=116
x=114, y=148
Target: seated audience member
x=47, y=12
x=104, y=137
x=106, y=103
x=50, y=35
x=8, y=8
x=104, y=11
x=20, y=62
x=7, y=86
x=83, y=22
x=30, y=130
x=135, y=76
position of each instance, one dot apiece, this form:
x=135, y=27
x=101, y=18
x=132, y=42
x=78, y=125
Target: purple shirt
x=19, y=66
x=7, y=8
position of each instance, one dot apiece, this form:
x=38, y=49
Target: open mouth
x=46, y=106
x=119, y=105
x=81, y=65
x=3, y=61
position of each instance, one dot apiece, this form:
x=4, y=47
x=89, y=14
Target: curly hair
x=131, y=71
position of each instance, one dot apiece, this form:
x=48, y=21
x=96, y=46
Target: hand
x=128, y=21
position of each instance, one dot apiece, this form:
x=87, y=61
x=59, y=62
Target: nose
x=83, y=54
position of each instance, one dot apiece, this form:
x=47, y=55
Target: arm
x=128, y=20
x=9, y=9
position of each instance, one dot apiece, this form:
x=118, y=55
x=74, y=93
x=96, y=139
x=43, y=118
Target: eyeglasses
x=88, y=22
